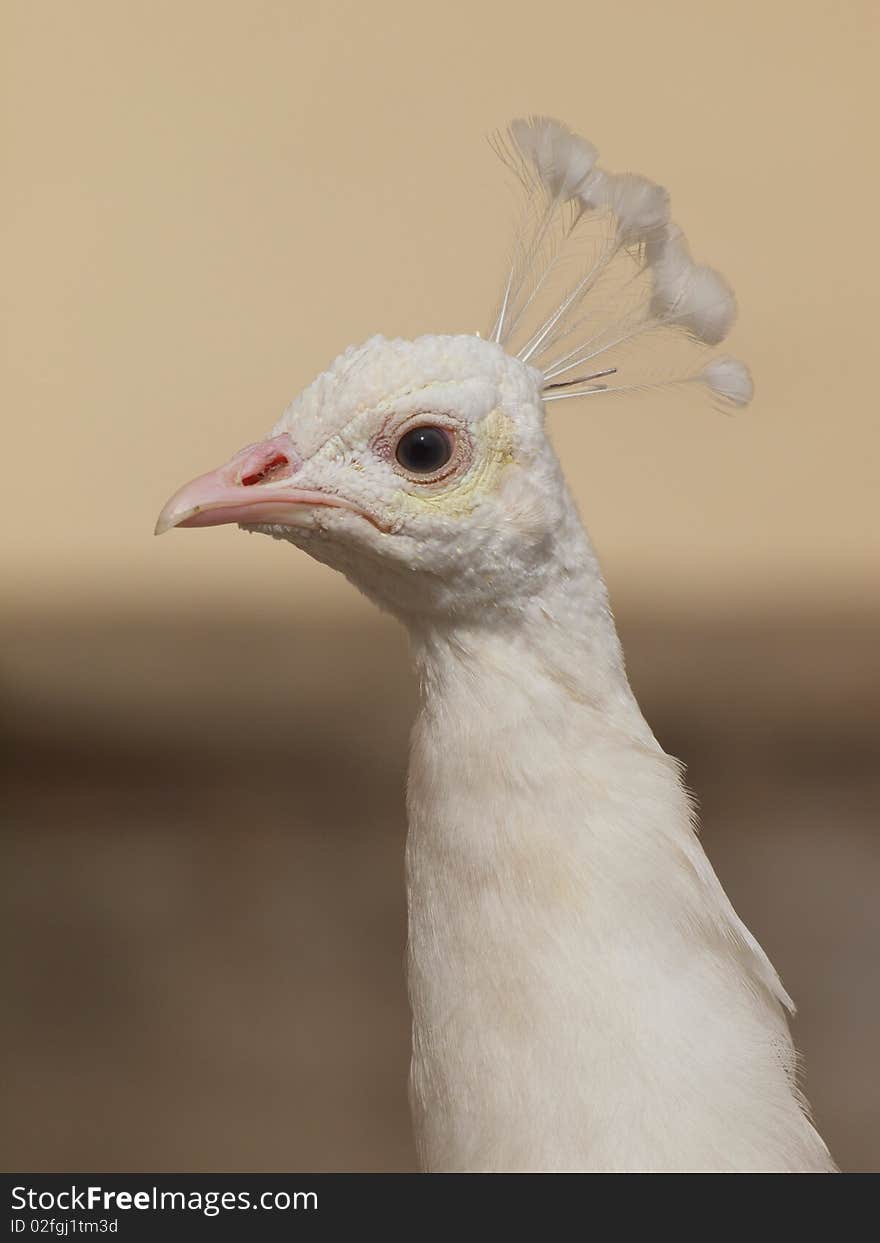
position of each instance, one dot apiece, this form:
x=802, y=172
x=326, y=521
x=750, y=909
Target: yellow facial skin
x=492, y=451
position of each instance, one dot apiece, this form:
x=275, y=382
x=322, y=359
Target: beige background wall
x=204, y=202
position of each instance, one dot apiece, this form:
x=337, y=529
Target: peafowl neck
x=583, y=995
x=546, y=655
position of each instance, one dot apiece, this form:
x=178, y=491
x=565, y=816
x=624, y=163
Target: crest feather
x=602, y=293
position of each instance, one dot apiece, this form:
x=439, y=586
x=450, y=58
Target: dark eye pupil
x=424, y=449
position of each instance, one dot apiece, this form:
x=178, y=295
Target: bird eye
x=424, y=450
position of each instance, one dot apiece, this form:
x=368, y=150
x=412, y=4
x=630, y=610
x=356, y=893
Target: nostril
x=265, y=462
x=268, y=470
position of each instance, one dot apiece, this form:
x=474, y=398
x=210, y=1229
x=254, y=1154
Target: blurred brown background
x=206, y=735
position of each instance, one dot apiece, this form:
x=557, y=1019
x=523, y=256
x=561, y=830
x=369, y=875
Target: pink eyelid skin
x=385, y=446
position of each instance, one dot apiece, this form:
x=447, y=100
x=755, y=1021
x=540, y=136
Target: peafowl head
x=422, y=469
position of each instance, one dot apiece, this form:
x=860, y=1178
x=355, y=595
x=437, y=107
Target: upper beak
x=256, y=485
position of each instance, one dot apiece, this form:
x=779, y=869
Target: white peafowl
x=584, y=996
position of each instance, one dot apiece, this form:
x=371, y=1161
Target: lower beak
x=257, y=485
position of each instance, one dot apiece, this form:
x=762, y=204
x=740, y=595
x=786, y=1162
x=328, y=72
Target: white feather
x=561, y=159
x=697, y=298
x=729, y=378
x=640, y=207
x=602, y=285
x=668, y=256
x=594, y=193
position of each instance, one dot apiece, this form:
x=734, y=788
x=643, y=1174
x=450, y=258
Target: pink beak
x=239, y=491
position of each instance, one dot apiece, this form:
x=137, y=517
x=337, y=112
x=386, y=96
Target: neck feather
x=583, y=994
x=544, y=653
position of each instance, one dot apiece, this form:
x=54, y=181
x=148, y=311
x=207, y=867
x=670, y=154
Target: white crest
x=602, y=294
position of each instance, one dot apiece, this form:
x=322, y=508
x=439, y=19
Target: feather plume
x=695, y=296
x=730, y=379
x=602, y=293
x=562, y=160
x=640, y=207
